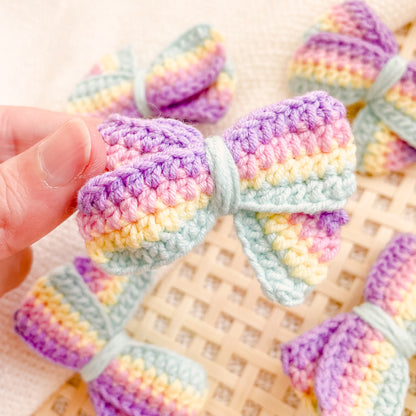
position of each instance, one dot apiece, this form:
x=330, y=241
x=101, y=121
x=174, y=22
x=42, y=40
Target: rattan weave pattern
x=210, y=306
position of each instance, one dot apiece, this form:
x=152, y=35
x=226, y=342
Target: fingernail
x=64, y=155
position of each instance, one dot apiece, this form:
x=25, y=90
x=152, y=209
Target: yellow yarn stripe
x=109, y=62
x=304, y=265
x=147, y=228
x=184, y=60
x=224, y=81
x=404, y=103
x=406, y=307
x=188, y=397
x=51, y=301
x=377, y=363
x=112, y=288
x=303, y=166
x=328, y=24
x=375, y=157
x=330, y=76
x=101, y=99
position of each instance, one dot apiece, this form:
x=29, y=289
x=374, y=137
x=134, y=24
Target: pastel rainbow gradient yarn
x=357, y=363
x=351, y=54
x=192, y=80
x=284, y=171
x=75, y=317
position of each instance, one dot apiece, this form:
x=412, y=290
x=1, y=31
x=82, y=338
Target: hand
x=45, y=157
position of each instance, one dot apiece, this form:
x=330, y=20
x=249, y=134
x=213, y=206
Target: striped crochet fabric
x=352, y=55
x=285, y=171
x=357, y=363
x=191, y=79
x=74, y=313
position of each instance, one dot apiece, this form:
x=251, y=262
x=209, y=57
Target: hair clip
x=351, y=54
x=284, y=171
x=357, y=363
x=75, y=317
x=192, y=80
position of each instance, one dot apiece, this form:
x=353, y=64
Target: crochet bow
x=190, y=80
x=75, y=317
x=357, y=363
x=285, y=171
x=352, y=55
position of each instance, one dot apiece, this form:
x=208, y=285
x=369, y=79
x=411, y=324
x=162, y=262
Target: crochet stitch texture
x=357, y=363
x=191, y=79
x=75, y=317
x=285, y=171
x=351, y=54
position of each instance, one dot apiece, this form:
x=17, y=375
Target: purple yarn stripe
x=110, y=396
x=389, y=262
x=190, y=86
x=375, y=31
x=45, y=345
x=354, y=48
x=262, y=125
x=337, y=353
x=332, y=221
x=308, y=347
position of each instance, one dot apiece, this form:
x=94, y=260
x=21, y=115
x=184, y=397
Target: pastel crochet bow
x=357, y=363
x=75, y=317
x=191, y=79
x=285, y=171
x=352, y=55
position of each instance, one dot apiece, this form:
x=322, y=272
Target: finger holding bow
x=75, y=317
x=192, y=80
x=357, y=363
x=285, y=172
x=352, y=54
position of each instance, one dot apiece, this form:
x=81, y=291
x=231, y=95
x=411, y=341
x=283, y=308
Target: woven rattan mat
x=210, y=306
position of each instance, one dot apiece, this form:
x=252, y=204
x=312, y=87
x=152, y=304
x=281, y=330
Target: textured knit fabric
x=191, y=79
x=357, y=363
x=74, y=317
x=46, y=49
x=352, y=54
x=285, y=171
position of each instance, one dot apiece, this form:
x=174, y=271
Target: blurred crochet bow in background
x=76, y=316
x=284, y=171
x=192, y=80
x=357, y=363
x=352, y=54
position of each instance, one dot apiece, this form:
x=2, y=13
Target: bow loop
x=357, y=361
x=352, y=55
x=191, y=79
x=168, y=187
x=356, y=20
x=75, y=317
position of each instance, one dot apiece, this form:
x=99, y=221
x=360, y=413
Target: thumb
x=38, y=187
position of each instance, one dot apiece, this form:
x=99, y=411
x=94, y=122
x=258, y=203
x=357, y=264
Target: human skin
x=45, y=157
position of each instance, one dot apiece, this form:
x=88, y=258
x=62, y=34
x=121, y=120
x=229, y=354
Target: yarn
x=63, y=319
x=351, y=54
x=192, y=79
x=357, y=363
x=285, y=171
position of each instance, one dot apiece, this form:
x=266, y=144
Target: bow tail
x=120, y=296
x=148, y=380
x=379, y=149
x=290, y=252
